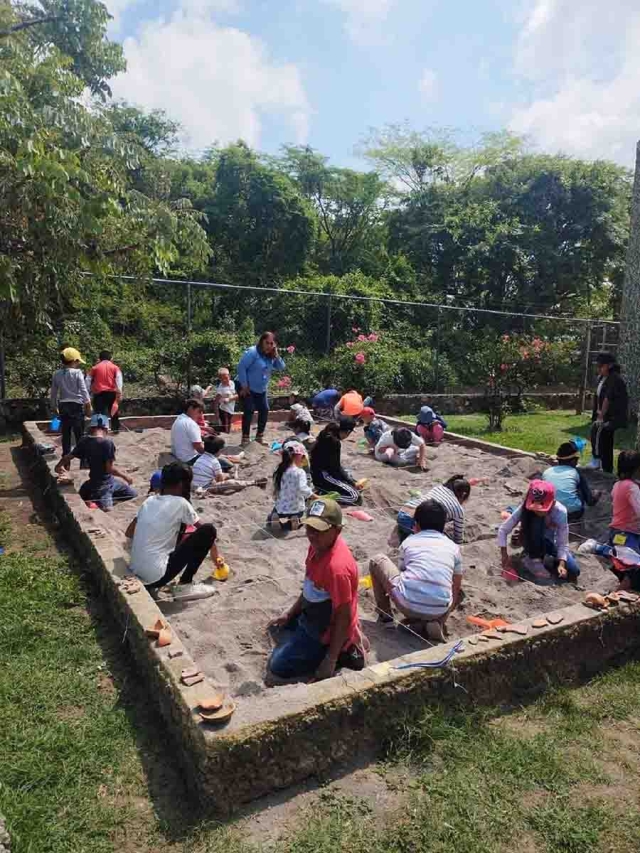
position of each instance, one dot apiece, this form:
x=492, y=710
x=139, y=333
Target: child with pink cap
x=544, y=534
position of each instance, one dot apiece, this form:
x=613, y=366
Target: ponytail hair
x=459, y=485
x=286, y=462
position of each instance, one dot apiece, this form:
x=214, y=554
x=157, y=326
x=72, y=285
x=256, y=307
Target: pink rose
x=350, y=344
x=355, y=330
x=373, y=337
x=285, y=382
x=362, y=338
x=291, y=349
x=360, y=358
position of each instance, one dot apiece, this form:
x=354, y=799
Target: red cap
x=541, y=496
x=368, y=411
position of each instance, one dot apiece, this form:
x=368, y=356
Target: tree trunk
x=630, y=311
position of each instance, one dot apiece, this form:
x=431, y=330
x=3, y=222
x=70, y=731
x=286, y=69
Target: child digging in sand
x=401, y=447
x=430, y=425
x=290, y=488
x=572, y=489
x=544, y=535
x=208, y=475
x=451, y=495
x=374, y=427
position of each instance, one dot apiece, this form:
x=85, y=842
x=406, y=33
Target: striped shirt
x=450, y=503
x=427, y=561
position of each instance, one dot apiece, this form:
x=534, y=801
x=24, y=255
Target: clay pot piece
x=223, y=715
x=212, y=703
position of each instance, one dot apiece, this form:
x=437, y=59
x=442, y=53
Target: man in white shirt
x=186, y=437
x=426, y=584
x=401, y=447
x=157, y=557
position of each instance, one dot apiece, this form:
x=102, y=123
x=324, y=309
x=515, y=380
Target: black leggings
x=71, y=420
x=348, y=495
x=102, y=404
x=188, y=555
x=225, y=420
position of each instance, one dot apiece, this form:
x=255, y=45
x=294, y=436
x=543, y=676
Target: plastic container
x=55, y=424
x=221, y=571
x=579, y=442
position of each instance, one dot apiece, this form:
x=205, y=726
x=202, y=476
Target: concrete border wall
x=334, y=719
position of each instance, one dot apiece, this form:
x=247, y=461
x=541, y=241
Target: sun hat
x=296, y=448
x=368, y=412
x=426, y=416
x=72, y=354
x=99, y=420
x=541, y=496
x=324, y=514
x=605, y=358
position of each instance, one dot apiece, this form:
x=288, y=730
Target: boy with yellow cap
x=70, y=398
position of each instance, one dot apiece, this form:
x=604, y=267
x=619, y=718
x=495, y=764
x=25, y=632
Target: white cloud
x=583, y=66
x=363, y=18
x=428, y=84
x=218, y=82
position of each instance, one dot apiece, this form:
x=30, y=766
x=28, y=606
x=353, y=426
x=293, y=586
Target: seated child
x=301, y=433
x=572, y=488
x=430, y=425
x=99, y=451
x=225, y=398
x=544, y=535
x=624, y=530
x=374, y=427
x=159, y=553
x=297, y=410
x=450, y=495
x=426, y=584
x=350, y=405
x=290, y=487
x=197, y=392
x=323, y=403
x=401, y=447
x=209, y=476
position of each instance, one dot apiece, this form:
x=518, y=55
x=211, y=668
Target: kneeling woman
x=327, y=472
x=544, y=535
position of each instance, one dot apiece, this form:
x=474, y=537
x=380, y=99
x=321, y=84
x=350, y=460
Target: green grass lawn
x=85, y=764
x=538, y=432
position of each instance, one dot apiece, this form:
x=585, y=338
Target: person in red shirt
x=104, y=382
x=325, y=629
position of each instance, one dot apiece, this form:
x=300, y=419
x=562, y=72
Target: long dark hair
x=330, y=435
x=628, y=464
x=532, y=545
x=263, y=338
x=287, y=462
x=300, y=425
x=459, y=485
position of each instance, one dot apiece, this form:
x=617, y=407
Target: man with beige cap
x=323, y=623
x=70, y=398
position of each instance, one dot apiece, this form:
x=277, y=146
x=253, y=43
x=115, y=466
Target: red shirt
x=103, y=377
x=331, y=580
x=626, y=506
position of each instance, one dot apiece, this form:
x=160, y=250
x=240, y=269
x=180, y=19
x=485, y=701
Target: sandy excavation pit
x=226, y=634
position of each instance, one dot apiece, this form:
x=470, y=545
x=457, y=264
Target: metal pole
x=438, y=336
x=189, y=325
x=328, y=342
x=582, y=399
x=3, y=380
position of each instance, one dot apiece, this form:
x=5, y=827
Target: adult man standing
x=104, y=382
x=324, y=621
x=610, y=412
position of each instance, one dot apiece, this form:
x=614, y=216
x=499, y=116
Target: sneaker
x=588, y=547
x=245, y=441
x=594, y=465
x=192, y=591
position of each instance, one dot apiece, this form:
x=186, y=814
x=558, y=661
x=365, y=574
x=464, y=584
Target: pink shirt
x=626, y=506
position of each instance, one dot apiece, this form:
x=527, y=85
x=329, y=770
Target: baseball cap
x=99, y=421
x=72, y=354
x=426, y=415
x=156, y=481
x=541, y=496
x=567, y=450
x=368, y=412
x=323, y=514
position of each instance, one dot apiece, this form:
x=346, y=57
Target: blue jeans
x=551, y=551
x=251, y=403
x=105, y=494
x=299, y=655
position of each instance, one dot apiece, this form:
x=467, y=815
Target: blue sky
x=563, y=73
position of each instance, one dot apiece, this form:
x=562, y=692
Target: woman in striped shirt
x=450, y=495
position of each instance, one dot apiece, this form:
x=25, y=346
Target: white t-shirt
x=301, y=412
x=184, y=432
x=224, y=392
x=157, y=527
x=427, y=561
x=294, y=490
x=386, y=441
x=205, y=470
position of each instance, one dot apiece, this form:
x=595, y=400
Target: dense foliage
x=92, y=186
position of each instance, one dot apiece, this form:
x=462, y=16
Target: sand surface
x=227, y=634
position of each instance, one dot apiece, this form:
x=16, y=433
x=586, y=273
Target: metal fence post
x=189, y=325
x=3, y=379
x=438, y=335
x=582, y=398
x=328, y=341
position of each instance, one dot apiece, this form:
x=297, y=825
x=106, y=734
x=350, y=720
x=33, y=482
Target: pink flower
x=362, y=338
x=504, y=368
x=355, y=330
x=291, y=349
x=524, y=353
x=360, y=358
x=350, y=343
x=285, y=382
x=373, y=337
x=506, y=339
